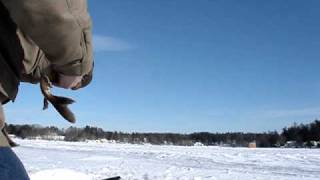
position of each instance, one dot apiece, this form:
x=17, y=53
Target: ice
x=94, y=160
x=61, y=174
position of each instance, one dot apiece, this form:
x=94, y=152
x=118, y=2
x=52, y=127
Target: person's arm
x=61, y=29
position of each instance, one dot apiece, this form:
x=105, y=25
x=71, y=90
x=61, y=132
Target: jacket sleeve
x=60, y=28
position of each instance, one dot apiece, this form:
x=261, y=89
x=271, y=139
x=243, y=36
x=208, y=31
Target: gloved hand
x=72, y=82
x=68, y=82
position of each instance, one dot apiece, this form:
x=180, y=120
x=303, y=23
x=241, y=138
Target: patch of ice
x=61, y=174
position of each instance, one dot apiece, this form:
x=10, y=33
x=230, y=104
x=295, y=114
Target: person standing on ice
x=40, y=37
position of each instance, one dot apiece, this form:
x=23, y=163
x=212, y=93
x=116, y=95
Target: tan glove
x=68, y=82
x=72, y=82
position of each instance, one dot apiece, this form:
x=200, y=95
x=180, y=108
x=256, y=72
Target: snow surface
x=54, y=174
x=93, y=161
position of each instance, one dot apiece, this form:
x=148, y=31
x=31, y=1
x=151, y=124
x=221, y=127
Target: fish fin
x=45, y=104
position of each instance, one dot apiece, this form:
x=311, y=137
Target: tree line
x=303, y=135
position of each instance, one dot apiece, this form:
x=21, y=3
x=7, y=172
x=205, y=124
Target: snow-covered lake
x=92, y=160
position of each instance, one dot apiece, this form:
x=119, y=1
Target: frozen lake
x=92, y=160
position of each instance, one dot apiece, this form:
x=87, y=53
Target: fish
x=59, y=103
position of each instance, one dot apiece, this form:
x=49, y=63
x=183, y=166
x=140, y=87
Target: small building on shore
x=292, y=144
x=252, y=144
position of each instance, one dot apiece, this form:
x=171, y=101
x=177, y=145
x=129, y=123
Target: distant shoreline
x=296, y=136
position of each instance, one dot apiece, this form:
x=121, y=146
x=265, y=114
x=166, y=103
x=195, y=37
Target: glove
x=86, y=79
x=72, y=82
x=68, y=82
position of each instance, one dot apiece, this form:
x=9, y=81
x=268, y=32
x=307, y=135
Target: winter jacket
x=11, y=55
x=1, y=115
x=54, y=35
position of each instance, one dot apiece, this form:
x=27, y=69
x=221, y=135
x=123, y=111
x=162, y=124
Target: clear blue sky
x=185, y=66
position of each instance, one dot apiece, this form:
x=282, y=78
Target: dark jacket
x=11, y=55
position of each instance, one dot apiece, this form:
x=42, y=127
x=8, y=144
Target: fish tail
x=62, y=100
x=65, y=112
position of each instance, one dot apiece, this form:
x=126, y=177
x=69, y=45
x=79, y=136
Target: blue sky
x=185, y=66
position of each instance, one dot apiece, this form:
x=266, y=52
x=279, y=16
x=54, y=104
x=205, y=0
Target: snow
x=95, y=161
x=54, y=174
